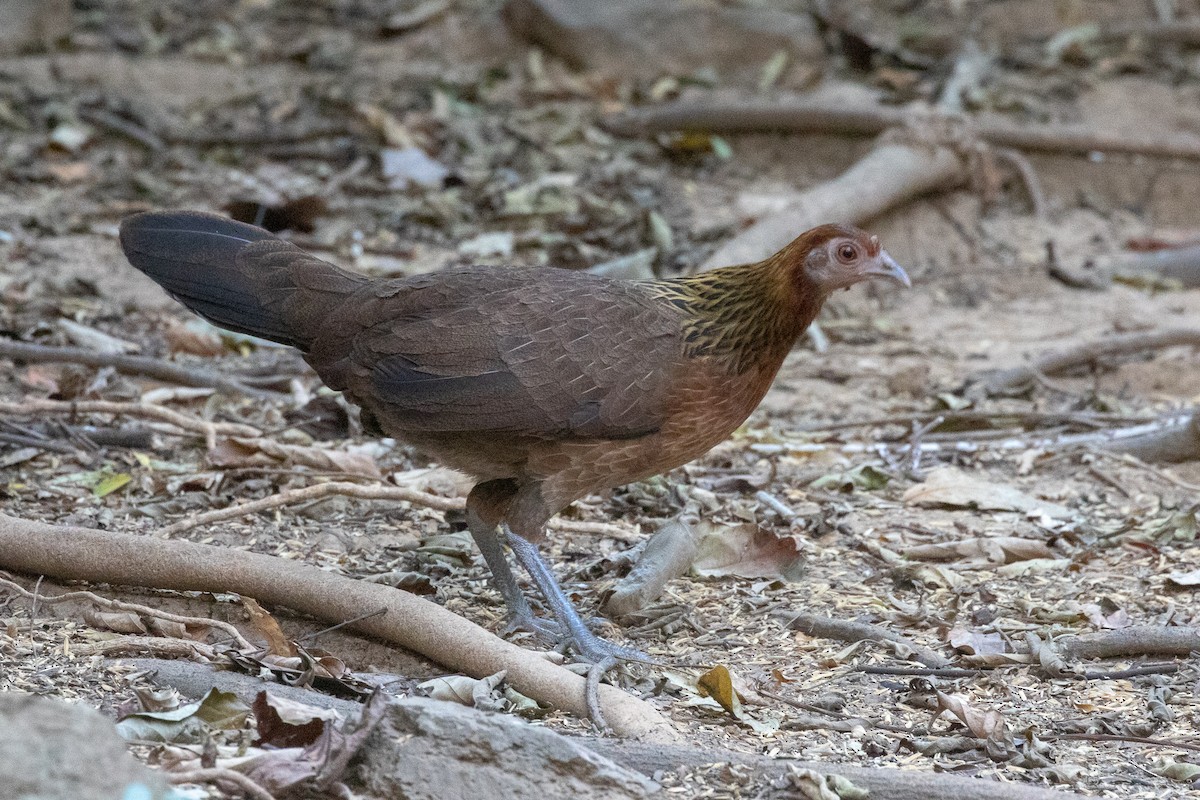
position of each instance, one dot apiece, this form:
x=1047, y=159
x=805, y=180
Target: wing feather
x=531, y=352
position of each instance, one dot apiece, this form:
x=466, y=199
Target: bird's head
x=833, y=257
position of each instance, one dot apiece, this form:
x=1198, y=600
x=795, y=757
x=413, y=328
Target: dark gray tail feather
x=237, y=276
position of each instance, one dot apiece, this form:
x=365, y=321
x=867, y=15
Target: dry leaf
x=717, y=683
x=974, y=643
x=1185, y=578
x=189, y=337
x=1108, y=619
x=287, y=723
x=952, y=487
x=278, y=642
x=119, y=621
x=982, y=724
x=746, y=551
x=239, y=451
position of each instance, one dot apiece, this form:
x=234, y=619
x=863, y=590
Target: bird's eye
x=847, y=253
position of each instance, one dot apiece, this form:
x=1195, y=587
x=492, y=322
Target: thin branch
x=186, y=422
x=146, y=646
x=305, y=494
x=156, y=368
x=1094, y=419
x=846, y=631
x=801, y=115
x=230, y=631
x=217, y=775
x=1113, y=737
x=958, y=672
x=839, y=715
x=320, y=491
x=1061, y=361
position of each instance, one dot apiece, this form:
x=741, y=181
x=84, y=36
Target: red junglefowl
x=544, y=384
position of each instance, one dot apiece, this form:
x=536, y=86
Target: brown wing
x=536, y=352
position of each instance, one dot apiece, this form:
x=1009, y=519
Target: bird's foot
x=590, y=647
x=595, y=650
x=546, y=630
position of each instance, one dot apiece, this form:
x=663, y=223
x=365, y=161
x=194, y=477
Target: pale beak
x=885, y=267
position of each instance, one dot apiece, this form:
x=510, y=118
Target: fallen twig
x=1113, y=737
x=305, y=494
x=1174, y=437
x=146, y=647
x=959, y=672
x=1093, y=419
x=217, y=775
x=815, y=710
x=320, y=491
x=186, y=422
x=1009, y=380
x=801, y=115
x=119, y=605
x=156, y=368
x=411, y=622
x=846, y=631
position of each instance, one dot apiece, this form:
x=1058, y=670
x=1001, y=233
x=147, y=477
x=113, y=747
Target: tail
x=237, y=276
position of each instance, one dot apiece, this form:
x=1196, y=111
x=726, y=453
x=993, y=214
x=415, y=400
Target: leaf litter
x=1017, y=543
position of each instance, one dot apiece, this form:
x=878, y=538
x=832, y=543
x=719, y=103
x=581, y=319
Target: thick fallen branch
x=156, y=368
x=892, y=173
x=1172, y=442
x=801, y=115
x=1138, y=640
x=413, y=623
x=1010, y=380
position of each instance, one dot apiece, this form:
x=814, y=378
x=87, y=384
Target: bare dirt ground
x=205, y=105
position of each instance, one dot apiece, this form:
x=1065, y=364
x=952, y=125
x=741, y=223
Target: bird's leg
x=485, y=504
x=520, y=614
x=590, y=646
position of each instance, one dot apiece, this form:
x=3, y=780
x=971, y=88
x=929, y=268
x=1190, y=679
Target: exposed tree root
x=411, y=622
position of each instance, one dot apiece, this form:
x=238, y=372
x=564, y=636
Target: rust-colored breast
x=705, y=406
